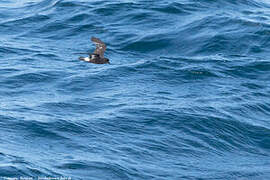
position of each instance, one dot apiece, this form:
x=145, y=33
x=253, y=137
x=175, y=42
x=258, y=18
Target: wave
x=186, y=89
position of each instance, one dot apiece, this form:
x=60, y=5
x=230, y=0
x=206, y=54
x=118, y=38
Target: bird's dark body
x=98, y=56
x=100, y=61
x=96, y=59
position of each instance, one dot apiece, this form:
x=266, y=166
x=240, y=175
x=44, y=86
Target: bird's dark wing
x=100, y=46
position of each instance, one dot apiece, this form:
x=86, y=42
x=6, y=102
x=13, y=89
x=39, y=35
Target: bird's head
x=107, y=61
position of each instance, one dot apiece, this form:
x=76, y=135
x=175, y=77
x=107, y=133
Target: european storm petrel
x=98, y=56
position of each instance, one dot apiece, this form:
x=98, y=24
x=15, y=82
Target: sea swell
x=186, y=95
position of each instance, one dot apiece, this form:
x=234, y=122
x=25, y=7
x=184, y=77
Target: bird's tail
x=81, y=58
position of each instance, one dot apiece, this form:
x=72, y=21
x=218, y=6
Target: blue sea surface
x=186, y=96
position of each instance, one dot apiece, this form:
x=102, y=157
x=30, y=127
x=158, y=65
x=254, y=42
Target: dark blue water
x=187, y=94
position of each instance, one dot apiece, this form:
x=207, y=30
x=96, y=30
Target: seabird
x=98, y=56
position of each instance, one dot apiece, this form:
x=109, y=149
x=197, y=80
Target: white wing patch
x=86, y=59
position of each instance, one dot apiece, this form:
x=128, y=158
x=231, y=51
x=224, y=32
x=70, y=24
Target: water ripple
x=186, y=95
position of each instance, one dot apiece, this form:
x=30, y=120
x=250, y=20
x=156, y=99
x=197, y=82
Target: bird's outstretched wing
x=100, y=46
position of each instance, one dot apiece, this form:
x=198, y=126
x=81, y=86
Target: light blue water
x=186, y=95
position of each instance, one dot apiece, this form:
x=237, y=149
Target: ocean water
x=186, y=96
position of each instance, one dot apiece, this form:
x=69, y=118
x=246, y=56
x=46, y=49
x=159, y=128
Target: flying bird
x=98, y=56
